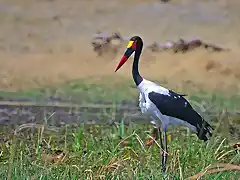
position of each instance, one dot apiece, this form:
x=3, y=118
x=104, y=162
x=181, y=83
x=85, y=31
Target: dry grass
x=40, y=47
x=211, y=169
x=210, y=71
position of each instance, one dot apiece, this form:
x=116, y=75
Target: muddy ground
x=49, y=41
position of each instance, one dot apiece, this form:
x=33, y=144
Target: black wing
x=175, y=105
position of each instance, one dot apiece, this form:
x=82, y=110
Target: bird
x=164, y=106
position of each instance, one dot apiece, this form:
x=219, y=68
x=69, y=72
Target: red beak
x=127, y=54
x=122, y=61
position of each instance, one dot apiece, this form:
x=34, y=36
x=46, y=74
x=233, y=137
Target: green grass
x=110, y=152
x=115, y=152
x=85, y=91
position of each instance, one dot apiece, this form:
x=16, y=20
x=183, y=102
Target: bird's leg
x=164, y=156
x=161, y=141
x=162, y=151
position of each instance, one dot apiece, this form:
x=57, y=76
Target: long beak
x=125, y=57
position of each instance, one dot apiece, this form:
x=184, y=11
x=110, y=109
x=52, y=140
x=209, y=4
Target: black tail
x=204, y=130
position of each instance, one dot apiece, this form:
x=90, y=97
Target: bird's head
x=133, y=44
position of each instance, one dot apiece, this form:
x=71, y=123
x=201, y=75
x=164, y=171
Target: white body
x=149, y=108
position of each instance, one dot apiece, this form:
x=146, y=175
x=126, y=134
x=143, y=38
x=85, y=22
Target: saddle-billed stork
x=162, y=105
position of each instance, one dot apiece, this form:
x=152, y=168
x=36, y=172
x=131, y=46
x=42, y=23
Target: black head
x=135, y=38
x=135, y=43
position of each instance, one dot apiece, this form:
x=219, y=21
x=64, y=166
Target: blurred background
x=49, y=41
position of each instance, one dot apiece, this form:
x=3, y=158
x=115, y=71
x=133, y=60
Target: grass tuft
x=111, y=152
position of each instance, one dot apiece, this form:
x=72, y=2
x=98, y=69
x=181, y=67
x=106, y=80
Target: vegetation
x=103, y=152
x=91, y=90
x=42, y=45
x=118, y=151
